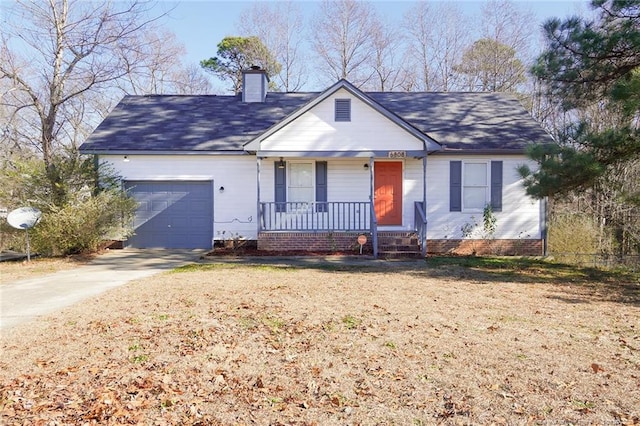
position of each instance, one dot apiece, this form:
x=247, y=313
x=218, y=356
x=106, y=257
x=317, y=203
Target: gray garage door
x=172, y=214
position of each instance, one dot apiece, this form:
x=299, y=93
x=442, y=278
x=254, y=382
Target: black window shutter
x=496, y=186
x=321, y=186
x=455, y=186
x=280, y=186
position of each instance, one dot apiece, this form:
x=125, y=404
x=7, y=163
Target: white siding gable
x=317, y=130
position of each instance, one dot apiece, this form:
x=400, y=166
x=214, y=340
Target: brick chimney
x=255, y=84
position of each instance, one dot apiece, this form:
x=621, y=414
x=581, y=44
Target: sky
x=201, y=24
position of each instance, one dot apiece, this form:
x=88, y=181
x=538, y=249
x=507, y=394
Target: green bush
x=11, y=238
x=81, y=227
x=83, y=206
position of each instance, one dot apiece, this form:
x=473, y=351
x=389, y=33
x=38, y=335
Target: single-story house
x=317, y=171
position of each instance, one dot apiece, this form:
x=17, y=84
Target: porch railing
x=420, y=218
x=321, y=216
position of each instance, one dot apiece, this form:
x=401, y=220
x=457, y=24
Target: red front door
x=387, y=178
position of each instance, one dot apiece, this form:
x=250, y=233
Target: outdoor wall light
x=221, y=189
x=366, y=165
x=281, y=164
x=126, y=159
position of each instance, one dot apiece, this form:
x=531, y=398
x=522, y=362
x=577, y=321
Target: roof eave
x=481, y=151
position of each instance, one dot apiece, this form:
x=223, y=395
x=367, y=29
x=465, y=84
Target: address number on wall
x=397, y=154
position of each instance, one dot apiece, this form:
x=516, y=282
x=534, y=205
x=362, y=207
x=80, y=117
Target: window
x=343, y=110
x=301, y=187
x=300, y=182
x=474, y=184
x=474, y=191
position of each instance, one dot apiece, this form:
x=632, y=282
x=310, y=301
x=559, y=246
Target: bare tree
x=508, y=24
x=437, y=35
x=387, y=60
x=451, y=35
x=59, y=52
x=419, y=21
x=160, y=57
x=280, y=27
x=341, y=39
x=190, y=80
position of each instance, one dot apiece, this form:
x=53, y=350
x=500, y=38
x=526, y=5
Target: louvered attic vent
x=343, y=109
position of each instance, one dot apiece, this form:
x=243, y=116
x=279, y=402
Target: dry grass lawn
x=19, y=270
x=399, y=345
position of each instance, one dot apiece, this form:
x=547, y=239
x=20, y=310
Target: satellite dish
x=24, y=217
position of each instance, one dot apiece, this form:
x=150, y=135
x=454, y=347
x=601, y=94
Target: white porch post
x=259, y=216
x=424, y=203
x=374, y=220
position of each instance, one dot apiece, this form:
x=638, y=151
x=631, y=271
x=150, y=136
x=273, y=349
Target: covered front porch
x=337, y=226
x=327, y=203
x=341, y=167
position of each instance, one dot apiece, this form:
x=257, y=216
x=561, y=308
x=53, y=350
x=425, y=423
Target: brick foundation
x=517, y=247
x=313, y=241
x=347, y=241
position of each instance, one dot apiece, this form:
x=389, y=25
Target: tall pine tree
x=590, y=63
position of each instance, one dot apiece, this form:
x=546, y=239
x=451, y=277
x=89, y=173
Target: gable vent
x=343, y=110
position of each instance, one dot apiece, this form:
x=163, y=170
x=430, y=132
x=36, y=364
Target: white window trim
x=487, y=186
x=306, y=206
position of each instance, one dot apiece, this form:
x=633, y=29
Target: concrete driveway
x=24, y=300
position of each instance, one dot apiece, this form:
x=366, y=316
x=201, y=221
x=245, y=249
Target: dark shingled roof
x=207, y=123
x=474, y=121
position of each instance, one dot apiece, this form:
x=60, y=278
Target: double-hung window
x=474, y=190
x=474, y=185
x=300, y=183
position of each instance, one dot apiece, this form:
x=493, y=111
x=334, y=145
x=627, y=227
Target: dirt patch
x=274, y=345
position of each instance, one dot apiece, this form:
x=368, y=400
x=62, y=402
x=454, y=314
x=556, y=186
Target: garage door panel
x=198, y=223
x=197, y=205
x=181, y=222
x=172, y=214
x=159, y=205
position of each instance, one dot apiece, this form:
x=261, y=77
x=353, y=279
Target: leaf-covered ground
x=419, y=344
x=19, y=270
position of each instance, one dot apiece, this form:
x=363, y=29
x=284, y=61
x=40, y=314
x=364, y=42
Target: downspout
x=374, y=221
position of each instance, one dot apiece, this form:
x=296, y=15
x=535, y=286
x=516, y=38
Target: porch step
x=394, y=245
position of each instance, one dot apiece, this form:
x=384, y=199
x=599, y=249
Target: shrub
x=81, y=227
x=575, y=237
x=90, y=205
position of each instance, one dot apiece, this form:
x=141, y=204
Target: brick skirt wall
x=518, y=247
x=313, y=241
x=348, y=241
